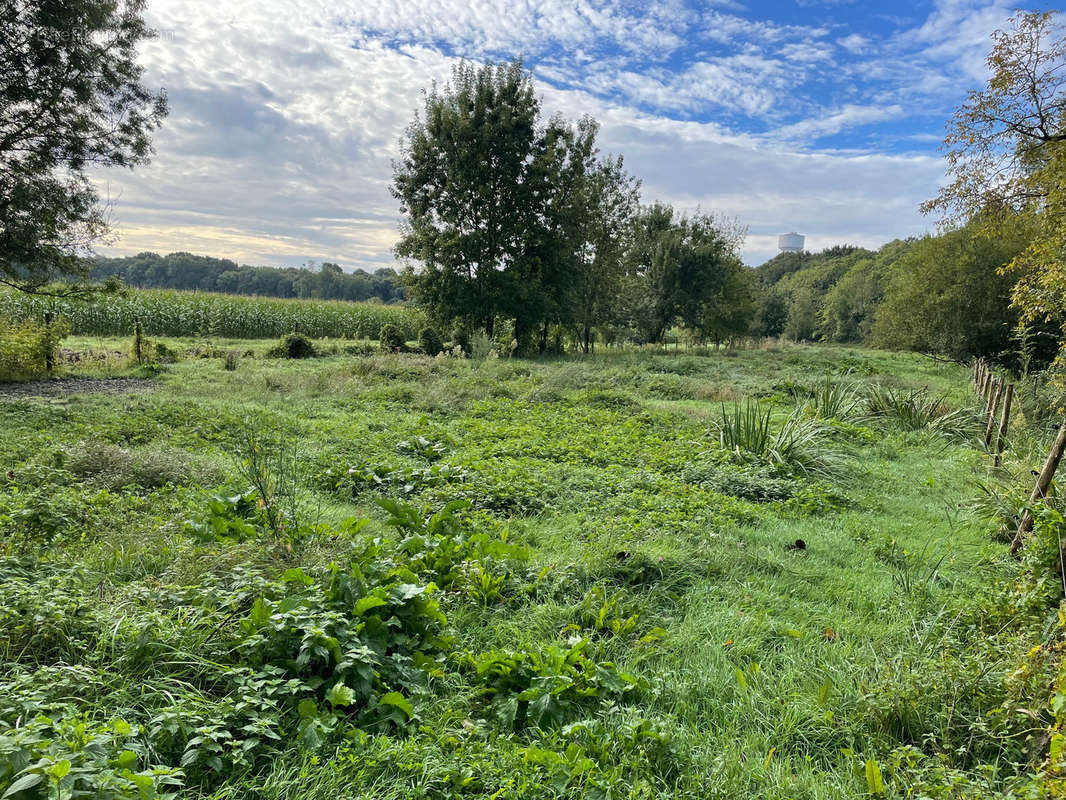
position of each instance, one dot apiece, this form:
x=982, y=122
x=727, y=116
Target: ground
x=739, y=661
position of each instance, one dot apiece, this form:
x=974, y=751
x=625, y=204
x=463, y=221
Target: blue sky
x=820, y=116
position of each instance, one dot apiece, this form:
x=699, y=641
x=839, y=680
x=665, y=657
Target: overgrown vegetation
x=476, y=578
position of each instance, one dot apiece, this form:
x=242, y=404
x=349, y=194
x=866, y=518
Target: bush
x=461, y=338
x=295, y=345
x=28, y=349
x=391, y=339
x=429, y=341
x=163, y=354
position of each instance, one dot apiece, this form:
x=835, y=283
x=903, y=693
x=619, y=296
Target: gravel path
x=64, y=387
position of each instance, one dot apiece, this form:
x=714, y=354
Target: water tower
x=790, y=243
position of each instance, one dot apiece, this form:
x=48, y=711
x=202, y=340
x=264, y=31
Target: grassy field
x=258, y=582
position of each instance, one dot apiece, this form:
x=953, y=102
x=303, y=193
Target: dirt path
x=64, y=387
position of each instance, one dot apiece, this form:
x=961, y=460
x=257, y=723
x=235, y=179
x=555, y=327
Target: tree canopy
x=71, y=98
x=1006, y=150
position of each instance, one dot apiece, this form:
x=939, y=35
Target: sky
x=817, y=116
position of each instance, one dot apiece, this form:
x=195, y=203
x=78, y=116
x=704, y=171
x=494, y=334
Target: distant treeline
x=203, y=273
x=948, y=294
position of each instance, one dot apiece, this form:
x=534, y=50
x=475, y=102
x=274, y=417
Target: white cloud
x=285, y=115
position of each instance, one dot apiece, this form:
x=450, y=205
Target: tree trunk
x=586, y=332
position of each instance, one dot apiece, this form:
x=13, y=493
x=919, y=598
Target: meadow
x=635, y=575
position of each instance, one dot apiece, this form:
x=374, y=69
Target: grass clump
x=798, y=443
x=919, y=410
x=111, y=466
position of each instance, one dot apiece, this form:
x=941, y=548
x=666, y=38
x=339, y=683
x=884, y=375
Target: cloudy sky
x=819, y=116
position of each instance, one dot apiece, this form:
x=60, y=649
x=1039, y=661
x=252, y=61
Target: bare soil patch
x=65, y=387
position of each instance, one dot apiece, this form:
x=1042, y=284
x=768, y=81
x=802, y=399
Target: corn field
x=185, y=314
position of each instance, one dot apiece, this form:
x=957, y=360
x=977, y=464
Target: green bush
x=461, y=338
x=28, y=349
x=429, y=341
x=391, y=339
x=294, y=345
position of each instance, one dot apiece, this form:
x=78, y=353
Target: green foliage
x=798, y=443
x=574, y=626
x=835, y=400
x=190, y=314
x=948, y=295
x=544, y=689
x=292, y=345
x=79, y=105
x=29, y=349
x=112, y=466
x=429, y=341
x=188, y=272
x=918, y=410
x=76, y=758
x=391, y=339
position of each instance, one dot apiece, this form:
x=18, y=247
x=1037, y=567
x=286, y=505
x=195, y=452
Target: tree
x=772, y=313
x=802, y=315
x=732, y=309
x=462, y=181
x=676, y=267
x=538, y=285
x=948, y=295
x=609, y=199
x=1006, y=151
x=70, y=98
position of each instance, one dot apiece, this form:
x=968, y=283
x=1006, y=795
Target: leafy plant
x=838, y=401
x=543, y=689
x=76, y=758
x=293, y=345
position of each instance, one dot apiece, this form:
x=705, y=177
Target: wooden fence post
x=993, y=407
x=1043, y=481
x=1004, y=420
x=990, y=393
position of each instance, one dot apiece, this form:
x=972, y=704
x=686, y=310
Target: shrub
x=163, y=354
x=835, y=400
x=429, y=341
x=294, y=345
x=461, y=338
x=391, y=339
x=28, y=349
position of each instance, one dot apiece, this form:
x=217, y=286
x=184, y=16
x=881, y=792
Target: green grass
x=718, y=659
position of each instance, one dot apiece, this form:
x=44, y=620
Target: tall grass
x=918, y=410
x=798, y=443
x=835, y=400
x=172, y=313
